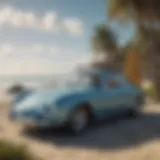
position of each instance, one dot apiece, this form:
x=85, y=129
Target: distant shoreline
x=29, y=81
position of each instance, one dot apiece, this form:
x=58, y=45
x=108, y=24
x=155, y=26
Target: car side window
x=113, y=83
x=116, y=81
x=96, y=80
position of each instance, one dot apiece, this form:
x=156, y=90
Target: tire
x=137, y=111
x=79, y=120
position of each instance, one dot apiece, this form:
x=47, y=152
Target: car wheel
x=78, y=120
x=137, y=111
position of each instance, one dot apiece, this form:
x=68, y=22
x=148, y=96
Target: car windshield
x=82, y=78
x=78, y=79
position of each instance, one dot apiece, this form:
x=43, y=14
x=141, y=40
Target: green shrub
x=15, y=89
x=10, y=151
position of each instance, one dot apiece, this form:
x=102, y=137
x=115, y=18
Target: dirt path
x=127, y=139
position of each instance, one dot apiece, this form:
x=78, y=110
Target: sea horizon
x=7, y=81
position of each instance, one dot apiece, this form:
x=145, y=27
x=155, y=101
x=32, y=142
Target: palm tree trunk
x=156, y=81
x=154, y=60
x=157, y=88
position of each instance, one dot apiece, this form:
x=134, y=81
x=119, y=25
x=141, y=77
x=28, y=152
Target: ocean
x=28, y=81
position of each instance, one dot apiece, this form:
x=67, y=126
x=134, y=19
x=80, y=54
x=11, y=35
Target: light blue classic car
x=89, y=95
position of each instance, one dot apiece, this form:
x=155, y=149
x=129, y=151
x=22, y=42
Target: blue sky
x=50, y=36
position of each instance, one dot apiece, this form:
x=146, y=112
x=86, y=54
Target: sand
x=125, y=139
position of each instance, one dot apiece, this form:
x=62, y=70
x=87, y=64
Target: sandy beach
x=4, y=97
x=127, y=138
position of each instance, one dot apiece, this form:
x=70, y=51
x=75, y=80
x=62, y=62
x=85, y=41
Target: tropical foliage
x=146, y=17
x=104, y=44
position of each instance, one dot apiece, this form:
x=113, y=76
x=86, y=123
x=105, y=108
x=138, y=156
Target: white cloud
x=38, y=59
x=38, y=51
x=38, y=66
x=47, y=22
x=6, y=49
x=73, y=26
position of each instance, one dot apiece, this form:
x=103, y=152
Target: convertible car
x=88, y=96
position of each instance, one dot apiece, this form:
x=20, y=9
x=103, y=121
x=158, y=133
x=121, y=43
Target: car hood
x=41, y=98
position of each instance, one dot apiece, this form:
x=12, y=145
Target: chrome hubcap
x=79, y=120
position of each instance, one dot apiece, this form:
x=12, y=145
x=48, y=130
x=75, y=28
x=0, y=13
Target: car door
x=113, y=95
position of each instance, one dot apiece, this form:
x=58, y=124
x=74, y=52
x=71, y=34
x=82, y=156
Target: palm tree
x=141, y=10
x=104, y=44
x=146, y=16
